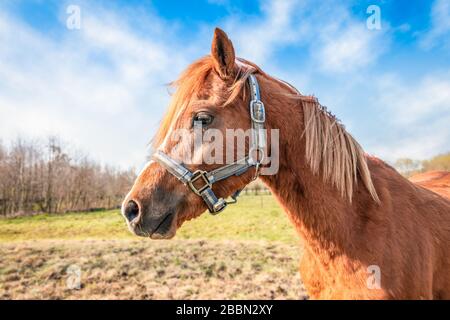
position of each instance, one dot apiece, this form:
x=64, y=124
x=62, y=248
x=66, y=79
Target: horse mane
x=190, y=83
x=330, y=149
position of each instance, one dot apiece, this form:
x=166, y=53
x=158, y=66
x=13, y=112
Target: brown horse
x=367, y=232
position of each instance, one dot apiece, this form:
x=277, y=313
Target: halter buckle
x=257, y=111
x=199, y=174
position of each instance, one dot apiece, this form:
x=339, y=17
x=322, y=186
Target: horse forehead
x=212, y=88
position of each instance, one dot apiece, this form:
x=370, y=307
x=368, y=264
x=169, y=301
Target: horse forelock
x=190, y=83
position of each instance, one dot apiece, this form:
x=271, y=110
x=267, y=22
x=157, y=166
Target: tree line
x=43, y=176
x=409, y=167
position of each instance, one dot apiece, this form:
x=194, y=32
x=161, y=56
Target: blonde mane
x=190, y=84
x=330, y=150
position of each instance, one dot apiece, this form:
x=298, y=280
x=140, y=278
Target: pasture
x=250, y=251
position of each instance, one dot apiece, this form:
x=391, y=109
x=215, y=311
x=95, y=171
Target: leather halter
x=200, y=182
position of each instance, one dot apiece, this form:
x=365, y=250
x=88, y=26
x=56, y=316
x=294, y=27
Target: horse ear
x=222, y=52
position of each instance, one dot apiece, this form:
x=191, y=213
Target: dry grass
x=134, y=269
x=250, y=251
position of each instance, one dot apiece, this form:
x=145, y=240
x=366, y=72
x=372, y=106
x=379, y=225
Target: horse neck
x=320, y=214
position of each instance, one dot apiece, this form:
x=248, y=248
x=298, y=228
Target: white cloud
x=439, y=33
x=410, y=104
x=349, y=49
x=416, y=117
x=338, y=41
x=107, y=106
x=419, y=147
x=344, y=44
x=102, y=87
x=257, y=38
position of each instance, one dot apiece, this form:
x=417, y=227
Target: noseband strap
x=200, y=182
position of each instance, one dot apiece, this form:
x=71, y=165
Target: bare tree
x=407, y=166
x=43, y=177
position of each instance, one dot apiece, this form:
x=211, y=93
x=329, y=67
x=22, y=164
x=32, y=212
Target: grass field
x=248, y=251
x=253, y=218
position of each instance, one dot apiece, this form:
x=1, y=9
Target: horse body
x=406, y=234
x=367, y=232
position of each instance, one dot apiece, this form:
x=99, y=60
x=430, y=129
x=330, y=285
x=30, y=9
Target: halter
x=200, y=182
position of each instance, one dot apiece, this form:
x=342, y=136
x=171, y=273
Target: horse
x=366, y=231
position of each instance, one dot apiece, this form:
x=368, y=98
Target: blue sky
x=102, y=87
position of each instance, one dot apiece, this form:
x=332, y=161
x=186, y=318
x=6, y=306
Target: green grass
x=253, y=218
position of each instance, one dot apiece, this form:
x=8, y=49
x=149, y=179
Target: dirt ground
x=436, y=181
x=134, y=269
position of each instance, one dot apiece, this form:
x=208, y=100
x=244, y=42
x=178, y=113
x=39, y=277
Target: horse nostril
x=131, y=210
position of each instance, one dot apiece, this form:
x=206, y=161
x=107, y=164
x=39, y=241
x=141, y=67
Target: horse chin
x=167, y=230
x=158, y=236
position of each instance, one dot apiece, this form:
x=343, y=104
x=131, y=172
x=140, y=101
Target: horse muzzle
x=149, y=224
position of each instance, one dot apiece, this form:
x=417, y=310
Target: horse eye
x=204, y=118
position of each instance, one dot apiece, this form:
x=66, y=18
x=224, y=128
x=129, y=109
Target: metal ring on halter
x=258, y=162
x=257, y=169
x=199, y=175
x=258, y=150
